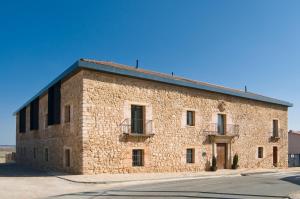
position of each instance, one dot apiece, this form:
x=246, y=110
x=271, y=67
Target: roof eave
x=136, y=74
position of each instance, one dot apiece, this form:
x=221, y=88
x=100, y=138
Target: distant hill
x=7, y=146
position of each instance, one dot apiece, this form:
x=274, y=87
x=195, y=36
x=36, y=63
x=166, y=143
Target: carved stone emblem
x=222, y=106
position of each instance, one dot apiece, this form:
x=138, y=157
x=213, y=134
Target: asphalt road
x=254, y=186
x=19, y=182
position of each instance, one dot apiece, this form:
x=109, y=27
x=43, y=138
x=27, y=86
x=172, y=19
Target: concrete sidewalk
x=295, y=195
x=135, y=177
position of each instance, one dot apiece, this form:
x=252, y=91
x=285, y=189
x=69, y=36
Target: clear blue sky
x=232, y=43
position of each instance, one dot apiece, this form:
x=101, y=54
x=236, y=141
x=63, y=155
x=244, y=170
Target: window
x=190, y=118
x=137, y=157
x=137, y=119
x=260, y=153
x=46, y=154
x=67, y=113
x=221, y=124
x=275, y=128
x=190, y=156
x=67, y=157
x=34, y=153
x=54, y=98
x=34, y=114
x=46, y=121
x=22, y=121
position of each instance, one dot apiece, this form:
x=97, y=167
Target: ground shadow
x=16, y=170
x=292, y=179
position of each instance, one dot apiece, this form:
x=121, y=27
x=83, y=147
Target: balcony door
x=221, y=124
x=137, y=119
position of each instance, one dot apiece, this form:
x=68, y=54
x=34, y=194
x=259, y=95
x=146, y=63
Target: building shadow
x=16, y=170
x=292, y=179
x=161, y=194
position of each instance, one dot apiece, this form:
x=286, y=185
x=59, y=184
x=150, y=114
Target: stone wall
x=57, y=137
x=106, y=104
x=100, y=103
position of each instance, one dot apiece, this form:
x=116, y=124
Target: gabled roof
x=118, y=69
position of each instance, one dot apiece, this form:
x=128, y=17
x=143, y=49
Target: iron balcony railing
x=277, y=133
x=226, y=130
x=137, y=127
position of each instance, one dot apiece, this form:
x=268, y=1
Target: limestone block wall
x=106, y=104
x=56, y=137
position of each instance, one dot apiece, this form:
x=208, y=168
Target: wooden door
x=275, y=156
x=221, y=156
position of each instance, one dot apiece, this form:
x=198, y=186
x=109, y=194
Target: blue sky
x=232, y=43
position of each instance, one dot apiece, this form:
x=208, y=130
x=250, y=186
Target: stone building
x=102, y=117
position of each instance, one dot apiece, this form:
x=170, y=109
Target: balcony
x=214, y=131
x=139, y=128
x=277, y=134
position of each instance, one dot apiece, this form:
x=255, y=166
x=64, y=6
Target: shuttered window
x=34, y=114
x=54, y=98
x=22, y=121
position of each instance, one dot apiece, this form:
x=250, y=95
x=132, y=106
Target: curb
x=169, y=178
x=258, y=173
x=148, y=180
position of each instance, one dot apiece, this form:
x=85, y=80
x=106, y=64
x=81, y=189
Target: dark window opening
x=260, y=152
x=34, y=153
x=190, y=119
x=190, y=156
x=54, y=99
x=22, y=121
x=67, y=113
x=221, y=124
x=137, y=119
x=137, y=157
x=67, y=157
x=34, y=115
x=46, y=154
x=275, y=128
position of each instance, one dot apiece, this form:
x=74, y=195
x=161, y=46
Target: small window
x=260, y=153
x=190, y=118
x=67, y=114
x=137, y=157
x=190, y=156
x=46, y=154
x=275, y=128
x=67, y=157
x=34, y=153
x=46, y=121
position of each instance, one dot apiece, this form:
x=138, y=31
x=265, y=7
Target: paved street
x=18, y=182
x=255, y=186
